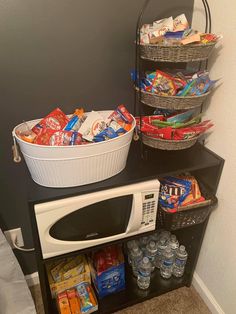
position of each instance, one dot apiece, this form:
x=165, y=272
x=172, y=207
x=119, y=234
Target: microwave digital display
x=148, y=196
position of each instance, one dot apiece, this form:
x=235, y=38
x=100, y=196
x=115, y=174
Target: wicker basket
x=187, y=215
x=172, y=102
x=178, y=53
x=168, y=144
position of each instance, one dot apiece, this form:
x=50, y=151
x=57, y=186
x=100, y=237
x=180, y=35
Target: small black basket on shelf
x=189, y=215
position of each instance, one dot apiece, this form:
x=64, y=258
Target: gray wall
x=65, y=53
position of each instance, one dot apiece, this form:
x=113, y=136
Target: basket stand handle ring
x=15, y=151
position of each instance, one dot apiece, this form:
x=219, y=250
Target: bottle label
x=180, y=262
x=144, y=273
x=167, y=263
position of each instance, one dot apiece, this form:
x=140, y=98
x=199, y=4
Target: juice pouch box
x=63, y=303
x=111, y=279
x=73, y=301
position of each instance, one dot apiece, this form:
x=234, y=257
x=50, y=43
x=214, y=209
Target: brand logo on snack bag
x=53, y=123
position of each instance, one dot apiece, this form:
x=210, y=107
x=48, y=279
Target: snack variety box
x=107, y=270
x=67, y=273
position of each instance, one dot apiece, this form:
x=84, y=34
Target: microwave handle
x=136, y=213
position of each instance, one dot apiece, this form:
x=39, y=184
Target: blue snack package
x=174, y=35
x=106, y=134
x=85, y=297
x=173, y=191
x=71, y=123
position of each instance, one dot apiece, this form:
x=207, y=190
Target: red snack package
x=193, y=131
x=100, y=261
x=55, y=120
x=111, y=255
x=163, y=133
x=61, y=138
x=126, y=116
x=57, y=138
x=153, y=131
x=43, y=137
x=149, y=119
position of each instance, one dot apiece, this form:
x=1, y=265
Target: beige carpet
x=180, y=301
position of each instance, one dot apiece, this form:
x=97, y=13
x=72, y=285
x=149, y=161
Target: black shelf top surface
x=154, y=164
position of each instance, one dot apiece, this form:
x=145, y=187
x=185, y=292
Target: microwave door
x=95, y=221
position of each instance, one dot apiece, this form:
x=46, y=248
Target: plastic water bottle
x=136, y=256
x=151, y=252
x=144, y=273
x=161, y=246
x=143, y=243
x=155, y=236
x=130, y=245
x=167, y=263
x=165, y=235
x=180, y=261
x=173, y=243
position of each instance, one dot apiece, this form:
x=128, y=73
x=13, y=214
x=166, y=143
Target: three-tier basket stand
x=169, y=54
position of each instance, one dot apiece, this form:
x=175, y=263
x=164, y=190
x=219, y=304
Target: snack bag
x=163, y=84
x=93, y=125
x=63, y=303
x=173, y=191
x=86, y=298
x=192, y=131
x=76, y=120
x=27, y=134
x=161, y=27
x=56, y=120
x=73, y=301
x=57, y=138
x=180, y=23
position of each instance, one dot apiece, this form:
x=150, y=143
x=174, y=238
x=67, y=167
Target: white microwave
x=87, y=220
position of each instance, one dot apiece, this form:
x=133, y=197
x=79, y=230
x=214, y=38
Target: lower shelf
x=133, y=295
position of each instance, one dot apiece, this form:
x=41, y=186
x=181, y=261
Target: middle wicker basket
x=171, y=102
x=168, y=144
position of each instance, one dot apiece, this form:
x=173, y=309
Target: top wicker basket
x=177, y=53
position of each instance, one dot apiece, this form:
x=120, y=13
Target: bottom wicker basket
x=187, y=215
x=168, y=144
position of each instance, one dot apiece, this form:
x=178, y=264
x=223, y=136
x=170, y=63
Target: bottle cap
x=173, y=237
x=145, y=260
x=152, y=244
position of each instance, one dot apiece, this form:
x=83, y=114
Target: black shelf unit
x=200, y=161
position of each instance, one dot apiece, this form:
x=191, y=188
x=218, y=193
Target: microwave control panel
x=149, y=209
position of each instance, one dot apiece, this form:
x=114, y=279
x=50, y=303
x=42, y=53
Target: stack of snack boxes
x=67, y=273
x=70, y=284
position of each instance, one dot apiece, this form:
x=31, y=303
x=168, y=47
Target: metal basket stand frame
x=138, y=108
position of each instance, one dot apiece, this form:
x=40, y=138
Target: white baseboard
x=206, y=295
x=32, y=279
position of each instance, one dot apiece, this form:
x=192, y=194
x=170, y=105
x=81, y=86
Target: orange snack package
x=63, y=303
x=73, y=301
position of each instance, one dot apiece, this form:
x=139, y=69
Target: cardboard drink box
x=111, y=280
